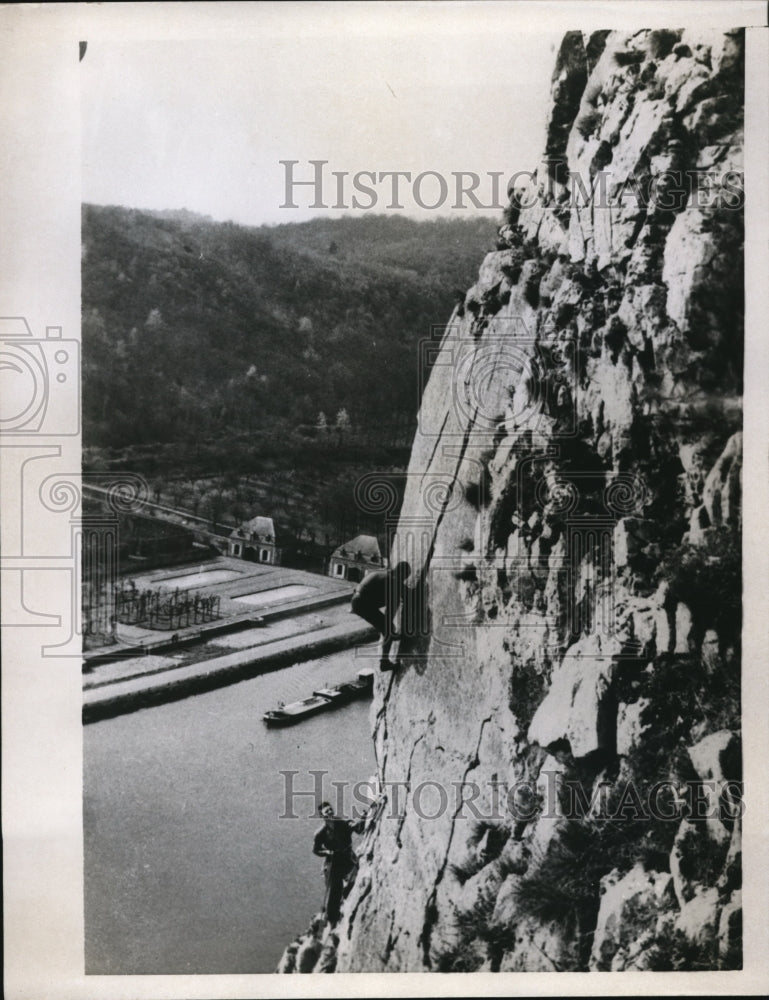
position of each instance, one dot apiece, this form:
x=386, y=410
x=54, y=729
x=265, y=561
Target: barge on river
x=321, y=700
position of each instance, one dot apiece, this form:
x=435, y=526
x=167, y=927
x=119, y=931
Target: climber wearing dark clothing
x=382, y=589
x=334, y=843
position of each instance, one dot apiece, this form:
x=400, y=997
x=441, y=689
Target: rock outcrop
x=570, y=674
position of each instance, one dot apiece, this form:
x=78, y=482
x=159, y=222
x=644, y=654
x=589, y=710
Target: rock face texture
x=569, y=678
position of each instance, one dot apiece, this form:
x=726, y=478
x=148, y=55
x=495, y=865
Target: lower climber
x=334, y=843
x=377, y=599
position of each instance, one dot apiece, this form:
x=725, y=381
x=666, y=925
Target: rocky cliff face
x=566, y=712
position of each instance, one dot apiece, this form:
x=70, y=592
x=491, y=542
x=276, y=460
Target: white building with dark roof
x=255, y=540
x=355, y=558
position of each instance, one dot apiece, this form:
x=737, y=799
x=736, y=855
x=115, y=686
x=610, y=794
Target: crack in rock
x=447, y=497
x=430, y=908
x=358, y=903
x=402, y=819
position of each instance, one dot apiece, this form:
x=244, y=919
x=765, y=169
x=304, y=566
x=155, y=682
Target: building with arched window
x=354, y=559
x=254, y=540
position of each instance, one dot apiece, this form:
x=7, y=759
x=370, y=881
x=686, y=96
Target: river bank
x=297, y=616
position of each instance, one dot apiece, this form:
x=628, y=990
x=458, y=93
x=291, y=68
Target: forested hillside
x=197, y=331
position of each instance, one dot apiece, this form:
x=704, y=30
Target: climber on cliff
x=334, y=843
x=382, y=589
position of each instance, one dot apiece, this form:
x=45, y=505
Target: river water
x=188, y=866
